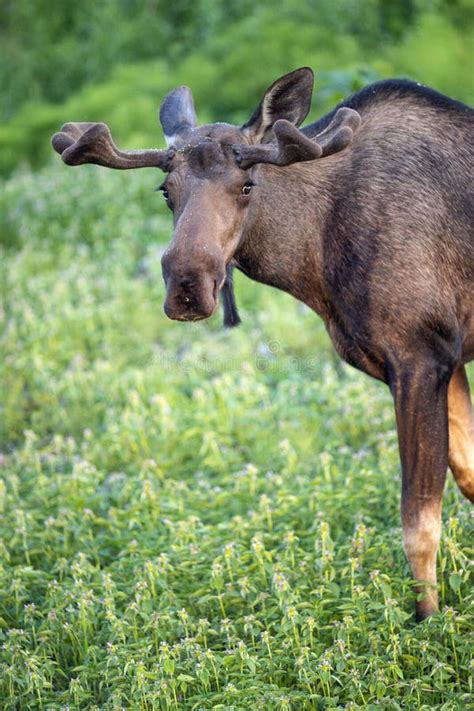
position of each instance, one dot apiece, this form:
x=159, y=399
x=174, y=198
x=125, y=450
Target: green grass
x=195, y=518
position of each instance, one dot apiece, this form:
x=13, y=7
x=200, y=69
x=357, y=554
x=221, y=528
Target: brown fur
x=461, y=432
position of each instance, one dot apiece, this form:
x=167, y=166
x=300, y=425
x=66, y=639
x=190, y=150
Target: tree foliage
x=93, y=57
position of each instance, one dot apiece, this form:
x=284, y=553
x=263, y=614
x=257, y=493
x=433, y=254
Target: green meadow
x=193, y=517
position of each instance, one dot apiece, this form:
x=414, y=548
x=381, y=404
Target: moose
x=366, y=216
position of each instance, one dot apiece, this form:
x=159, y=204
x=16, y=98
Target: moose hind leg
x=420, y=394
x=461, y=432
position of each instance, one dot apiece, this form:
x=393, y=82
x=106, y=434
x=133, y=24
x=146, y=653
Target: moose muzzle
x=191, y=293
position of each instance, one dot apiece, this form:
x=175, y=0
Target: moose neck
x=282, y=242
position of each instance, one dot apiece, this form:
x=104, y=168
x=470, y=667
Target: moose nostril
x=186, y=285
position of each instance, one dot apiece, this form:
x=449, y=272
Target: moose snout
x=191, y=294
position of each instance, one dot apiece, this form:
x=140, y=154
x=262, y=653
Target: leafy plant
x=193, y=518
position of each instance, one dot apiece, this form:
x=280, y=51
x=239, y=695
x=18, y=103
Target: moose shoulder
x=367, y=217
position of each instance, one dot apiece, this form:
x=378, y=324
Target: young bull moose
x=367, y=217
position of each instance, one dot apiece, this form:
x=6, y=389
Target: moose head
x=210, y=185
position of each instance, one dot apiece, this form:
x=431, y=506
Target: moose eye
x=247, y=189
x=165, y=193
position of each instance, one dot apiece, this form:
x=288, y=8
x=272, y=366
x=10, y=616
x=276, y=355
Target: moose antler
x=80, y=143
x=293, y=146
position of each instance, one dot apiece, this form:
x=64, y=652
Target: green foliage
x=115, y=60
x=194, y=518
x=190, y=517
x=438, y=55
x=52, y=48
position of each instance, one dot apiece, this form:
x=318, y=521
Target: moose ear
x=288, y=98
x=177, y=114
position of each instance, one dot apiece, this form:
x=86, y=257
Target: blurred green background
x=114, y=60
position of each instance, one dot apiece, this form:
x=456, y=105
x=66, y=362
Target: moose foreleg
x=420, y=393
x=461, y=432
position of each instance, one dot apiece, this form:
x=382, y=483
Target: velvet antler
x=79, y=143
x=293, y=146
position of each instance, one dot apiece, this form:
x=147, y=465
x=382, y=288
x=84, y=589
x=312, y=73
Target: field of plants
x=191, y=517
